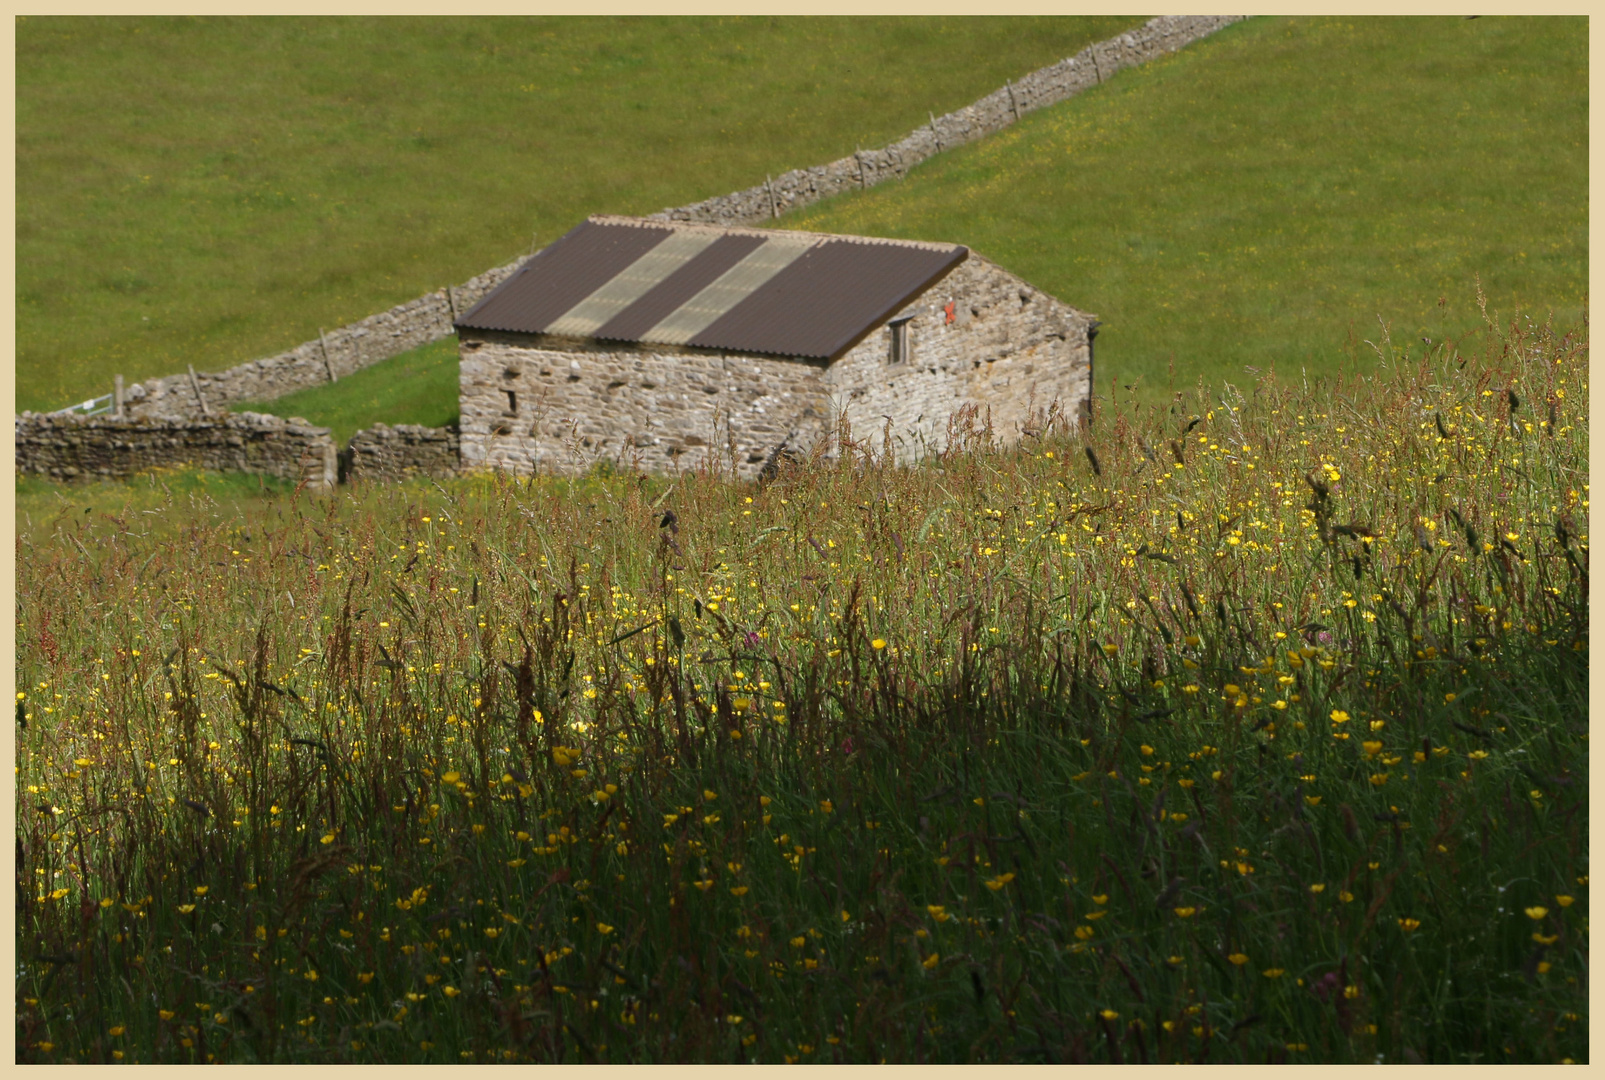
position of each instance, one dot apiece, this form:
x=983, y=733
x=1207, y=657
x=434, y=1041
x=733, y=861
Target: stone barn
x=657, y=342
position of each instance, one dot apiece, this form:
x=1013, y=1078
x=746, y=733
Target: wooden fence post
x=117, y=396
x=195, y=384
x=323, y=342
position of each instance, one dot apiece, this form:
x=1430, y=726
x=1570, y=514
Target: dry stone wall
x=429, y=318
x=314, y=363
x=102, y=447
x=384, y=453
x=535, y=403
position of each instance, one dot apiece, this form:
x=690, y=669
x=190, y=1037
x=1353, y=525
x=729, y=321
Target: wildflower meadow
x=1250, y=727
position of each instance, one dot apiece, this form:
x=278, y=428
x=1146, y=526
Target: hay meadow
x=1246, y=727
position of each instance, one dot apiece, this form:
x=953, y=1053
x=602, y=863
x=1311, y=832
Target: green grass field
x=1251, y=730
x=1261, y=198
x=209, y=191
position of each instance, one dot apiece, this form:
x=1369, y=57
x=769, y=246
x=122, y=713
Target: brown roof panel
x=561, y=275
x=667, y=296
x=829, y=299
x=779, y=292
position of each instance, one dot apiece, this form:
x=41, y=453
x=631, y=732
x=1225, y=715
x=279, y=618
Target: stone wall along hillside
x=996, y=111
x=314, y=363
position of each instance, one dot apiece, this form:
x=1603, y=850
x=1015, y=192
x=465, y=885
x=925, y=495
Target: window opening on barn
x=900, y=346
x=512, y=402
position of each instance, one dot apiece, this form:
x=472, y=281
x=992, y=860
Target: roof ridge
x=747, y=230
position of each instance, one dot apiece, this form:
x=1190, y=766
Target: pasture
x=1284, y=194
x=302, y=172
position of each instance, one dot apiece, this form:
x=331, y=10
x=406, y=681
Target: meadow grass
x=161, y=501
x=1282, y=194
x=1250, y=728
x=210, y=191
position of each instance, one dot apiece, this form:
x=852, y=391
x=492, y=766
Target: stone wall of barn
x=1008, y=349
x=533, y=403
x=102, y=447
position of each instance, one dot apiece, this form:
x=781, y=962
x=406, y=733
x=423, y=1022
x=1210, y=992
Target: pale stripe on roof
x=590, y=314
x=727, y=290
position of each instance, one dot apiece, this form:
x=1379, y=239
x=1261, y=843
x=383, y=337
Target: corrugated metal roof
x=829, y=299
x=560, y=276
x=679, y=287
x=746, y=290
x=727, y=291
x=634, y=282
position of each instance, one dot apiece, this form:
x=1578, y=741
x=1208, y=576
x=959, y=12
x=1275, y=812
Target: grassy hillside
x=213, y=190
x=1262, y=197
x=1271, y=746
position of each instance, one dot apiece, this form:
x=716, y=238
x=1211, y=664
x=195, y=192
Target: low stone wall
x=383, y=452
x=429, y=318
x=314, y=363
x=101, y=447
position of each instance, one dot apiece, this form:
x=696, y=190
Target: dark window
x=900, y=346
x=512, y=402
